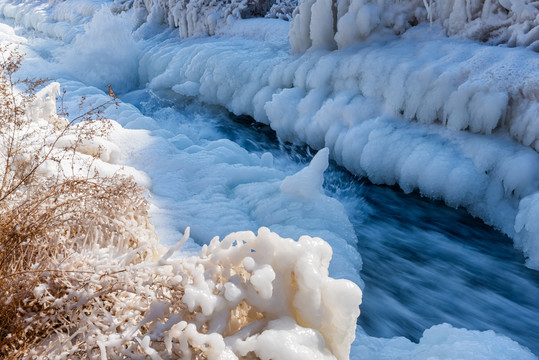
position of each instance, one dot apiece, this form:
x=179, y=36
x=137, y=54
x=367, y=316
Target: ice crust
x=326, y=24
x=375, y=105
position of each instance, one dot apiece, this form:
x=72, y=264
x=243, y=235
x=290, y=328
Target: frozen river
x=423, y=262
x=419, y=262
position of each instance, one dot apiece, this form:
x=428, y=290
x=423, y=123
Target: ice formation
x=451, y=118
x=248, y=295
x=326, y=24
x=308, y=181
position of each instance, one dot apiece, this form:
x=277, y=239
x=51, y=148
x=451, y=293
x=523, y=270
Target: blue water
x=423, y=263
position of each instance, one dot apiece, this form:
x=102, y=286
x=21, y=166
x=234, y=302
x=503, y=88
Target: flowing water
x=423, y=263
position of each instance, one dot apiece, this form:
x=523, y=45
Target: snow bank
x=443, y=342
x=42, y=132
x=326, y=24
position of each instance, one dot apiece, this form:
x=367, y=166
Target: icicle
x=428, y=7
x=178, y=245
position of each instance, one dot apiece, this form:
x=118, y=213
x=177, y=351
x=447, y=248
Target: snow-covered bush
x=53, y=203
x=193, y=17
x=331, y=24
x=246, y=296
x=190, y=17
x=282, y=9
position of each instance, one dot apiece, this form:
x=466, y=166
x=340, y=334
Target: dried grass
x=45, y=221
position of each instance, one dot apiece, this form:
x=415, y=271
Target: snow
x=511, y=22
x=443, y=342
x=451, y=118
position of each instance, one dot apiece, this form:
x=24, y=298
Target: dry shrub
x=49, y=217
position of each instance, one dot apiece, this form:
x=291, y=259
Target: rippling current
x=423, y=263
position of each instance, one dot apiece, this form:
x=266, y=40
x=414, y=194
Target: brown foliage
x=46, y=219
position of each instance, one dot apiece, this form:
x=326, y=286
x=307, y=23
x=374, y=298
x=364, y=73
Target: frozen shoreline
x=340, y=100
x=271, y=81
